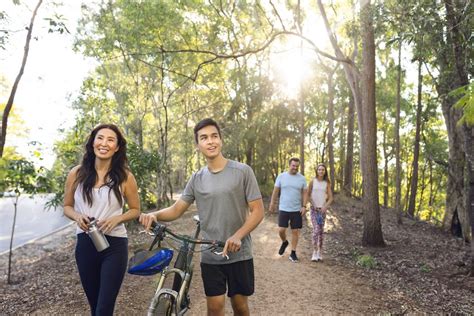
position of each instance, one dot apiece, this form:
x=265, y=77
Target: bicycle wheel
x=164, y=307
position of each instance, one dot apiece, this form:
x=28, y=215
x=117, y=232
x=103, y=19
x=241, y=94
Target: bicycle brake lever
x=146, y=232
x=219, y=253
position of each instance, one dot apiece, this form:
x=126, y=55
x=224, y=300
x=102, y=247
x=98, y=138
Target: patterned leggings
x=318, y=229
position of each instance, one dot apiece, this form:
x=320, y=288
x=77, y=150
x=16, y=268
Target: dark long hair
x=325, y=177
x=117, y=174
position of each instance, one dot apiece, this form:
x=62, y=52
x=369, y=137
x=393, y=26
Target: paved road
x=32, y=220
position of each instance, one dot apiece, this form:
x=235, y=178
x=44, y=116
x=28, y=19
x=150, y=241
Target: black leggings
x=101, y=272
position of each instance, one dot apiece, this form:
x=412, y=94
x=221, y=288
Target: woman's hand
x=147, y=219
x=82, y=221
x=108, y=224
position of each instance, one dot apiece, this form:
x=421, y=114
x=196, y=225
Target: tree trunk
x=331, y=128
x=363, y=91
x=372, y=226
x=398, y=169
x=15, y=204
x=416, y=151
x=342, y=150
x=385, y=167
x=422, y=191
x=302, y=132
x=348, y=168
x=11, y=98
x=456, y=194
x=469, y=134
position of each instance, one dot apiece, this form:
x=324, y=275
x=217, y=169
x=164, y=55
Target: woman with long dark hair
x=320, y=197
x=95, y=193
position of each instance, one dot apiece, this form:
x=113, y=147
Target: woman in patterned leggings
x=320, y=197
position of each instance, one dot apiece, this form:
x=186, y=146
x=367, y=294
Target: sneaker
x=293, y=257
x=315, y=256
x=283, y=247
x=320, y=257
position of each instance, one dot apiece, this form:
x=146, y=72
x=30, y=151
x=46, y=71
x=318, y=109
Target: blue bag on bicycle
x=145, y=262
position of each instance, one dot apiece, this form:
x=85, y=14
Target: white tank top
x=104, y=205
x=318, y=194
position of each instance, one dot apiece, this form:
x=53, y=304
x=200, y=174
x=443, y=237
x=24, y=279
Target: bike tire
x=164, y=307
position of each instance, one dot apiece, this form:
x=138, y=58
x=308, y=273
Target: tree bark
x=416, y=150
x=15, y=204
x=11, y=98
x=348, y=168
x=302, y=133
x=372, y=226
x=331, y=127
x=469, y=133
x=385, y=166
x=453, y=51
x=363, y=90
x=398, y=169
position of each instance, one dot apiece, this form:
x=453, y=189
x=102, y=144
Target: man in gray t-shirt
x=230, y=206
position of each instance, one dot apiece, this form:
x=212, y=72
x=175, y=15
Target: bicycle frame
x=175, y=300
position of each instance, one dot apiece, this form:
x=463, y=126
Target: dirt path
x=304, y=288
x=51, y=285
x=422, y=270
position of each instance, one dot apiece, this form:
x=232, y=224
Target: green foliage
x=159, y=74
x=143, y=163
x=366, y=261
x=21, y=176
x=424, y=268
x=466, y=103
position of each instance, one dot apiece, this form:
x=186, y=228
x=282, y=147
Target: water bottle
x=98, y=238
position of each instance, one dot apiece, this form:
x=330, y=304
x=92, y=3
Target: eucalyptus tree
x=397, y=12
x=452, y=22
x=11, y=98
x=20, y=176
x=362, y=84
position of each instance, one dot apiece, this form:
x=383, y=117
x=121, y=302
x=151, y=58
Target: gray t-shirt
x=222, y=201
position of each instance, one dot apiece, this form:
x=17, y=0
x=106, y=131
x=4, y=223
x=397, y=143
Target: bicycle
x=174, y=300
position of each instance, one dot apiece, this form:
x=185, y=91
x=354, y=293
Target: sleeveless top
x=104, y=205
x=318, y=194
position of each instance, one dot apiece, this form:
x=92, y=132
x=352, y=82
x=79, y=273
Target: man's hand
x=271, y=208
x=231, y=245
x=303, y=210
x=147, y=219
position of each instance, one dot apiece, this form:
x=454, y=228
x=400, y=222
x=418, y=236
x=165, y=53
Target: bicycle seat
x=146, y=262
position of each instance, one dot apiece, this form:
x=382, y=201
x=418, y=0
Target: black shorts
x=295, y=219
x=238, y=276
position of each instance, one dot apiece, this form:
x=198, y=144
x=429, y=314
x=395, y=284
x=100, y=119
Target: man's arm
x=255, y=217
x=274, y=199
x=166, y=215
x=308, y=194
x=304, y=198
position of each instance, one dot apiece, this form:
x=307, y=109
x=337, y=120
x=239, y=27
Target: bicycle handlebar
x=160, y=230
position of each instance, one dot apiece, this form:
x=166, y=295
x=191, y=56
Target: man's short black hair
x=203, y=123
x=293, y=159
